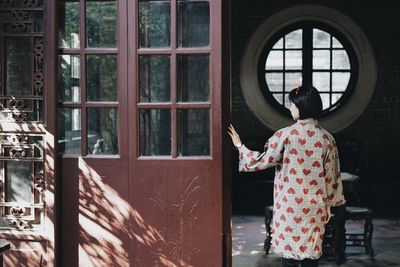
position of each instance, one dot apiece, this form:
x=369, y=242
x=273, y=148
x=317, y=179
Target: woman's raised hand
x=234, y=136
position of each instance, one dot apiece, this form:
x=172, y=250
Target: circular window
x=310, y=53
x=308, y=44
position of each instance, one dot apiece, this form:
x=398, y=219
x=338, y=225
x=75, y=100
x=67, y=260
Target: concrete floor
x=248, y=233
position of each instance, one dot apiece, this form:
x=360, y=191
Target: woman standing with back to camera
x=307, y=179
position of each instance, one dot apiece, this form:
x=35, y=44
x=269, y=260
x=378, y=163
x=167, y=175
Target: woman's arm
x=333, y=178
x=250, y=161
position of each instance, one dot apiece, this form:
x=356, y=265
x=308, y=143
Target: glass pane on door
x=154, y=24
x=154, y=80
x=193, y=132
x=69, y=78
x=193, y=78
x=69, y=129
x=155, y=132
x=102, y=78
x=193, y=23
x=102, y=131
x=101, y=23
x=68, y=17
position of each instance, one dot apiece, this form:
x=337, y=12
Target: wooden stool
x=361, y=239
x=268, y=219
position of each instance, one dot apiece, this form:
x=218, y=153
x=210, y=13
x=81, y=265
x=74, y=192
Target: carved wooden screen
x=21, y=81
x=22, y=131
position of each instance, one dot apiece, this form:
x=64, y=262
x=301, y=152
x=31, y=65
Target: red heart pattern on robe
x=291, y=191
x=304, y=159
x=304, y=229
x=289, y=210
x=298, y=200
x=309, y=152
x=296, y=238
x=310, y=133
x=318, y=144
x=302, y=141
x=288, y=248
x=288, y=229
x=297, y=219
x=316, y=164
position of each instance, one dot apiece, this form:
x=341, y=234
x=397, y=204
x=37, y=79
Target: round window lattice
x=308, y=44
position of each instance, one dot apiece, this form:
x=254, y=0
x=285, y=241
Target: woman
x=307, y=179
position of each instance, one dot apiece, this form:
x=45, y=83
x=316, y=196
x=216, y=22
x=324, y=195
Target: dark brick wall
x=369, y=146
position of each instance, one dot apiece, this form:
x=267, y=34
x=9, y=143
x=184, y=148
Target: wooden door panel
x=96, y=212
x=177, y=213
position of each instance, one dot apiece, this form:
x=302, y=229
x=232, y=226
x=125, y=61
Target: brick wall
x=370, y=145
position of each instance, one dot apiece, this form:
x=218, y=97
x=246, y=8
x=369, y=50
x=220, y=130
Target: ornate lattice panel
x=21, y=60
x=22, y=180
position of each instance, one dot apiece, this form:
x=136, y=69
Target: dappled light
x=107, y=223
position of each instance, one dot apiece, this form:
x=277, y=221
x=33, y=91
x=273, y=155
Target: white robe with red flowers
x=307, y=181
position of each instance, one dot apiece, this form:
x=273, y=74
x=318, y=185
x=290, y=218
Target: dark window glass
x=68, y=15
x=155, y=84
x=155, y=132
x=102, y=131
x=154, y=24
x=69, y=78
x=193, y=132
x=102, y=77
x=69, y=141
x=18, y=56
x=193, y=23
x=193, y=78
x=101, y=23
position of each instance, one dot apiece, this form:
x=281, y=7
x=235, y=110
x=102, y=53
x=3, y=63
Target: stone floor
x=248, y=233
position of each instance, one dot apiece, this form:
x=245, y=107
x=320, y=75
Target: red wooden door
x=140, y=115
x=175, y=171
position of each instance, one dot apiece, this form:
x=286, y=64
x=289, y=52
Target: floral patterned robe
x=307, y=181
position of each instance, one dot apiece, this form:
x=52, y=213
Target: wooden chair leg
x=368, y=231
x=267, y=241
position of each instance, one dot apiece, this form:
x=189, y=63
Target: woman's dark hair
x=307, y=100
